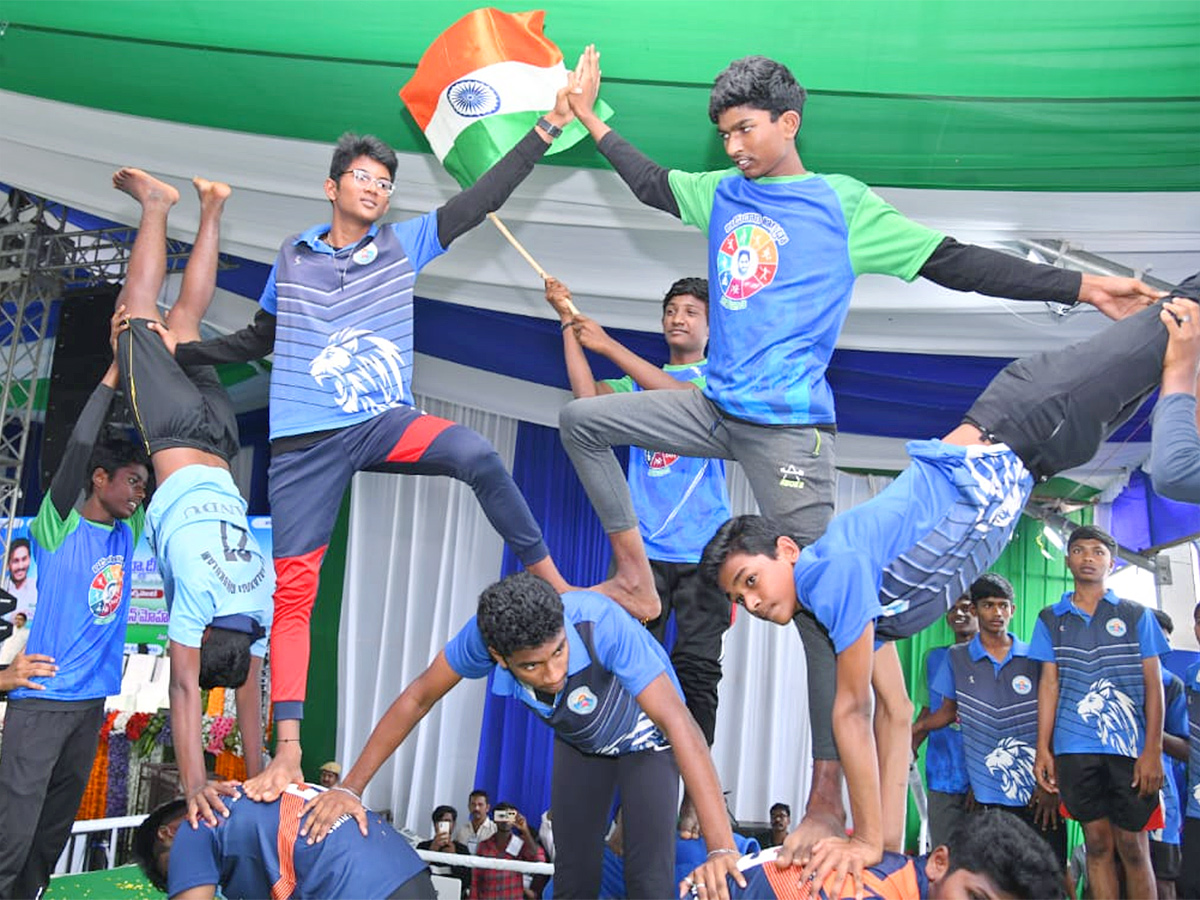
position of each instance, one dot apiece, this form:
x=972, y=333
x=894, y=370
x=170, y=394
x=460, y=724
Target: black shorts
x=1055, y=409
x=1166, y=860
x=174, y=406
x=1096, y=786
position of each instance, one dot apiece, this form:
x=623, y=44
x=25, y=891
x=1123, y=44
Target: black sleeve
x=72, y=474
x=966, y=267
x=647, y=179
x=468, y=207
x=254, y=341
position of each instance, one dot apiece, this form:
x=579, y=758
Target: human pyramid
x=745, y=381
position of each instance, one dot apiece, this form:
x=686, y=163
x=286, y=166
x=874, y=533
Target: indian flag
x=482, y=84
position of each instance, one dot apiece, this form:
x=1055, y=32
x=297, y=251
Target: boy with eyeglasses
x=337, y=310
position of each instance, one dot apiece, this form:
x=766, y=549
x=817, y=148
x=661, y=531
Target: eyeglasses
x=363, y=177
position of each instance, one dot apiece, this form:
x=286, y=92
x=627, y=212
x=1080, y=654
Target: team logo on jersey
x=582, y=701
x=1022, y=684
x=1115, y=717
x=365, y=371
x=104, y=593
x=748, y=258
x=366, y=254
x=659, y=463
x=1115, y=627
x=1012, y=763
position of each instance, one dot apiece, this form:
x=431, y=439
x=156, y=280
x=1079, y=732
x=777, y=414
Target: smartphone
x=505, y=815
x=443, y=827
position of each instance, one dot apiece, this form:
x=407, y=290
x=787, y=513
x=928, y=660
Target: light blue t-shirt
x=210, y=561
x=945, y=764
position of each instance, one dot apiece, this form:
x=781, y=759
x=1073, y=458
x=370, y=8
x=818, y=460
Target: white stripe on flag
x=506, y=87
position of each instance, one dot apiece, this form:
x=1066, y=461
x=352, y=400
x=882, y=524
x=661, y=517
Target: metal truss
x=40, y=258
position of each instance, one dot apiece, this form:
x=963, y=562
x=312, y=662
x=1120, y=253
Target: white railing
x=74, y=855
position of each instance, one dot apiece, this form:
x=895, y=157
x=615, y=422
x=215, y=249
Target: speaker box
x=81, y=355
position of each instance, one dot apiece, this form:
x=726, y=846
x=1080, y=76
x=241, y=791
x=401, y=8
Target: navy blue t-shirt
x=241, y=854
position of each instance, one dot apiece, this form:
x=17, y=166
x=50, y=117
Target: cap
x=332, y=767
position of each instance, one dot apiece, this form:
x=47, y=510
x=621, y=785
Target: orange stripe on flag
x=285, y=843
x=481, y=38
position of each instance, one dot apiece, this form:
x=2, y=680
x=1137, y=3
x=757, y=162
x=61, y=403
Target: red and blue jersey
x=783, y=254
x=344, y=332
x=896, y=877
x=257, y=852
x=680, y=501
x=610, y=660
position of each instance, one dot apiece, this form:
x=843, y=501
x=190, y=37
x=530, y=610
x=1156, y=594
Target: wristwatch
x=546, y=126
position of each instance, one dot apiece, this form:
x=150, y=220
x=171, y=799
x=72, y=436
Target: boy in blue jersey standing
x=256, y=851
x=1100, y=715
x=1165, y=842
x=680, y=501
x=891, y=566
x=82, y=555
x=337, y=310
x=945, y=765
x=1189, y=876
x=990, y=685
x=785, y=246
x=216, y=580
x=606, y=687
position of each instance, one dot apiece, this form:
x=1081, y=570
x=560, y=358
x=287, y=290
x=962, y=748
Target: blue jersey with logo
x=945, y=764
x=680, y=501
x=242, y=854
x=83, y=601
x=783, y=254
x=610, y=660
x=1175, y=722
x=902, y=558
x=997, y=705
x=1101, y=690
x=210, y=561
x=344, y=329
x=1192, y=684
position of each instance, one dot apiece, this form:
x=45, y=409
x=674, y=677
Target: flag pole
x=542, y=273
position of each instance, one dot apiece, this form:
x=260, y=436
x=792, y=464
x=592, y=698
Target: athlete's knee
x=574, y=421
x=474, y=459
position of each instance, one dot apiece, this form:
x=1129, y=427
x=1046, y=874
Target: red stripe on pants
x=416, y=438
x=296, y=580
x=285, y=843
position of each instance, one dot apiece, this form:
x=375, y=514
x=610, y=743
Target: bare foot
x=689, y=822
x=815, y=826
x=144, y=187
x=283, y=770
x=212, y=193
x=637, y=596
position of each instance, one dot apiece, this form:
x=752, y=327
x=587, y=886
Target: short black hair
x=1010, y=854
x=503, y=804
x=749, y=534
x=519, y=612
x=225, y=658
x=351, y=146
x=18, y=542
x=787, y=810
x=757, y=82
x=146, y=844
x=988, y=585
x=697, y=287
x=479, y=792
x=114, y=453
x=1165, y=622
x=440, y=811
x=1092, y=533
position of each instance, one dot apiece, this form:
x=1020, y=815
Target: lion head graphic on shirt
x=365, y=371
x=1115, y=716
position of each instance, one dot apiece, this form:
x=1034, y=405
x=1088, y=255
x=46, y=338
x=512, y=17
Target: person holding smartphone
x=512, y=840
x=444, y=819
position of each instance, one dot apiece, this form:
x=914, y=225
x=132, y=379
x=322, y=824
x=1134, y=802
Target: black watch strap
x=546, y=126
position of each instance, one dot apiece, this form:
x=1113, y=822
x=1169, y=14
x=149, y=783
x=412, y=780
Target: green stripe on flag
x=480, y=145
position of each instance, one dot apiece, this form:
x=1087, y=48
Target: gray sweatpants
x=790, y=469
